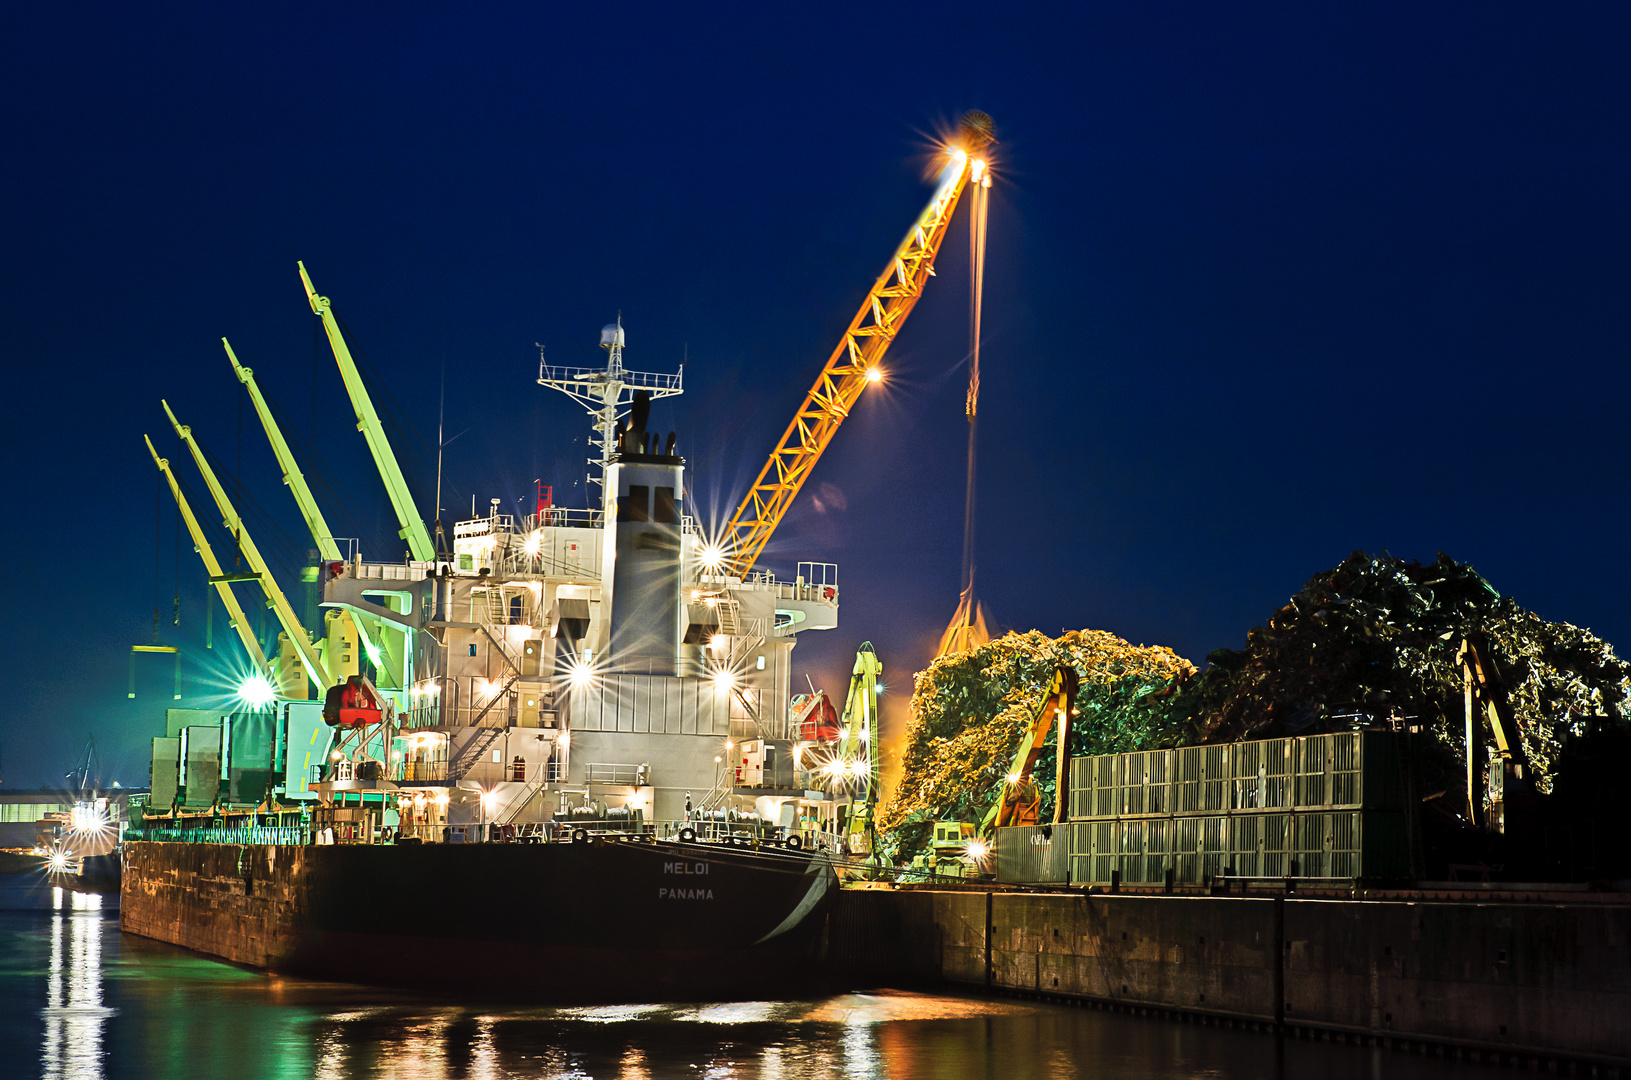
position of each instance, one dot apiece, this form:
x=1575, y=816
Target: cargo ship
x=567, y=737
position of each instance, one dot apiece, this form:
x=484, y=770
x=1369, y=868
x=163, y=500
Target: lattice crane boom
x=853, y=364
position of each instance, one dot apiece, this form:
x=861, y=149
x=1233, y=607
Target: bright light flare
x=724, y=680
x=580, y=675
x=719, y=642
x=977, y=850
x=874, y=375
x=533, y=544
x=256, y=691
x=57, y=862
x=712, y=557
x=977, y=171
x=88, y=819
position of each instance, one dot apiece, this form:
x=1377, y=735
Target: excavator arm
x=373, y=432
x=1018, y=802
x=855, y=362
x=1486, y=700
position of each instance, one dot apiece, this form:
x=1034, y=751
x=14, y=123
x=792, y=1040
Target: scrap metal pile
x=1377, y=637
x=1373, y=639
x=970, y=710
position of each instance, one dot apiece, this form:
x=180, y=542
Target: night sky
x=1264, y=287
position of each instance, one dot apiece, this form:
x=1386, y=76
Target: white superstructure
x=593, y=658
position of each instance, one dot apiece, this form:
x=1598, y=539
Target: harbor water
x=78, y=999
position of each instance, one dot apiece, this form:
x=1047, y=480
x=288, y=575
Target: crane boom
x=853, y=364
x=292, y=476
x=212, y=565
x=274, y=595
x=860, y=740
x=413, y=526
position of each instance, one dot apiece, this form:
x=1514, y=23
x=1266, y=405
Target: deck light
x=580, y=675
x=534, y=543
x=874, y=374
x=712, y=556
x=256, y=692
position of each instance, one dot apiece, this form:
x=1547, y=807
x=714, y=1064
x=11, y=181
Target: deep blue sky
x=1266, y=284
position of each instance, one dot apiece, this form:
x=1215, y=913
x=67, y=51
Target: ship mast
x=608, y=393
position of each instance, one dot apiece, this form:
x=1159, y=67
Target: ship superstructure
x=589, y=664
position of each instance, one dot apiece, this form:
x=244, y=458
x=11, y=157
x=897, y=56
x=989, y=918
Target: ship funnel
x=640, y=582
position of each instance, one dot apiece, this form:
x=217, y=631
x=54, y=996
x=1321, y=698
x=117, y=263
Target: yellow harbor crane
x=854, y=364
x=1018, y=802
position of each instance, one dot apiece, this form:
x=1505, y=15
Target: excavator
x=1510, y=795
x=960, y=848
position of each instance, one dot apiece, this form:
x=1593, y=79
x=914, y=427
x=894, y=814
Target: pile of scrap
x=970, y=710
x=1376, y=638
x=1372, y=641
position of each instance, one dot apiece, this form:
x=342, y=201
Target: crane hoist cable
x=855, y=362
x=967, y=628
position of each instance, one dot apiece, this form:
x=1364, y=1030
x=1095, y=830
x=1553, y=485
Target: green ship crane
x=334, y=650
x=274, y=595
x=292, y=476
x=201, y=545
x=413, y=526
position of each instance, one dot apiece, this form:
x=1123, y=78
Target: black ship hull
x=600, y=921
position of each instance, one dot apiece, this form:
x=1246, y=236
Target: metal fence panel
x=1033, y=854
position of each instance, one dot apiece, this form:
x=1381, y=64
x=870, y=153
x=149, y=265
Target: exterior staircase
x=475, y=748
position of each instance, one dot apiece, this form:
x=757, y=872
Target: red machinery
x=815, y=718
x=353, y=704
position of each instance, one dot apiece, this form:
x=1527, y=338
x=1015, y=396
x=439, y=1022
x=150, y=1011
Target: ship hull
x=606, y=921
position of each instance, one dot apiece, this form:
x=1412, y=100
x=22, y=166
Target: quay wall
x=1549, y=979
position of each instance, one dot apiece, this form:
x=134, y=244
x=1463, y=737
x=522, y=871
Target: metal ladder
x=530, y=792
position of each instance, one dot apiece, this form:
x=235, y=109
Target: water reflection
x=85, y=1001
x=73, y=1011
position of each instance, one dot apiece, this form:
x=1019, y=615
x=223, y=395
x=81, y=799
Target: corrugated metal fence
x=1316, y=806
